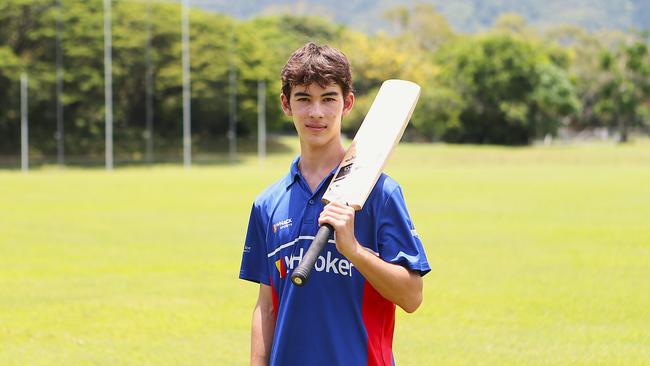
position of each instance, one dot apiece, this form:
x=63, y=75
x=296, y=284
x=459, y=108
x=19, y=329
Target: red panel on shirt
x=379, y=318
x=275, y=298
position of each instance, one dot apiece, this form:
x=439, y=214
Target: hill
x=463, y=15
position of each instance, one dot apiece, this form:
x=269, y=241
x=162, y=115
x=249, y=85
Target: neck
x=320, y=160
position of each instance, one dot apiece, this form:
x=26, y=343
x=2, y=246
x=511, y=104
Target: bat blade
x=364, y=161
x=379, y=133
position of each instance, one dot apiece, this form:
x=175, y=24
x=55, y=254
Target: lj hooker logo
x=281, y=225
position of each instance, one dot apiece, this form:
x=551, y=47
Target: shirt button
x=311, y=202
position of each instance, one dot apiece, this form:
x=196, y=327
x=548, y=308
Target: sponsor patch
x=284, y=224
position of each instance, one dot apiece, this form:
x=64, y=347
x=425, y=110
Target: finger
x=335, y=222
x=337, y=215
x=333, y=213
x=339, y=205
x=339, y=209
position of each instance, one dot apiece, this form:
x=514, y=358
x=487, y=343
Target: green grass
x=540, y=256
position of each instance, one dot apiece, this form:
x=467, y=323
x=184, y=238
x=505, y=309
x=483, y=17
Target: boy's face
x=317, y=112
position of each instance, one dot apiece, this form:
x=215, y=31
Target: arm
x=263, y=327
x=393, y=282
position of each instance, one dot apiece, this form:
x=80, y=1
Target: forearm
x=393, y=282
x=263, y=327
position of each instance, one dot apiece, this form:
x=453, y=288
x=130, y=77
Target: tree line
x=508, y=85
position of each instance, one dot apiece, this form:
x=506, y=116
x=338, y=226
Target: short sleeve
x=254, y=265
x=398, y=241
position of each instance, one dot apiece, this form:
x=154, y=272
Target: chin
x=318, y=140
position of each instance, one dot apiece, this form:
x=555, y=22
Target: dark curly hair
x=321, y=64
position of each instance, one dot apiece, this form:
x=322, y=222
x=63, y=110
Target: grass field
x=540, y=256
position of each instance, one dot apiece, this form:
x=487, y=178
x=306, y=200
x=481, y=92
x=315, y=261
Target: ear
x=286, y=107
x=348, y=103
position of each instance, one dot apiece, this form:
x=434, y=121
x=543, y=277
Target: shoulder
x=387, y=191
x=387, y=184
x=384, y=188
x=266, y=200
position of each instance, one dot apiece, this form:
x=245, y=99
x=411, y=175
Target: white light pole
x=232, y=80
x=59, y=90
x=261, y=120
x=149, y=90
x=24, y=124
x=108, y=84
x=187, y=129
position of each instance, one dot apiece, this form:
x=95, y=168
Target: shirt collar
x=294, y=173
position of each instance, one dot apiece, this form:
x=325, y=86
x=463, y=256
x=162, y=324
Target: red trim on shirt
x=379, y=318
x=275, y=298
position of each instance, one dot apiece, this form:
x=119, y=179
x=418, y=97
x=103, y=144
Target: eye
x=330, y=99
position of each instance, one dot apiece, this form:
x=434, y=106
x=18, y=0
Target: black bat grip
x=301, y=273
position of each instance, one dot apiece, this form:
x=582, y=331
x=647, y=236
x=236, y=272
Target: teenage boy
x=345, y=314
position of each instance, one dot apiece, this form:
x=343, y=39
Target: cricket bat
x=380, y=132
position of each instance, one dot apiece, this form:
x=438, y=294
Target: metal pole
x=108, y=84
x=232, y=79
x=149, y=90
x=24, y=123
x=187, y=142
x=261, y=120
x=232, y=130
x=60, y=153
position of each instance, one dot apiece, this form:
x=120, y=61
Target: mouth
x=315, y=127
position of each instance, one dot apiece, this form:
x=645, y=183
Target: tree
x=584, y=51
x=625, y=93
x=511, y=90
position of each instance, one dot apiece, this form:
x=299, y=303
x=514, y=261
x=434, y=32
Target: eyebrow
x=328, y=94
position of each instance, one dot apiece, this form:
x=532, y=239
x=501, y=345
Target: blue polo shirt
x=337, y=317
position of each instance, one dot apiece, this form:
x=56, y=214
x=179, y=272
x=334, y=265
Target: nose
x=316, y=110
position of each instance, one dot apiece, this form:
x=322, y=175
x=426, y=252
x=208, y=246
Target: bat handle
x=301, y=273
